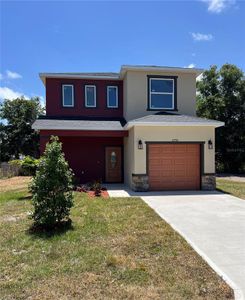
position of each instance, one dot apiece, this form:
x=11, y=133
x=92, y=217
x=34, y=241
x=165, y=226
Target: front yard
x=118, y=249
x=231, y=187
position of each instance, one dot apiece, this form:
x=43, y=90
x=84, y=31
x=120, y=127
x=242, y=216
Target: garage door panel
x=174, y=167
x=155, y=164
x=179, y=174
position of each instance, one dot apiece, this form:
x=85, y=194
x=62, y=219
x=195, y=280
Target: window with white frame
x=90, y=95
x=112, y=96
x=161, y=93
x=67, y=95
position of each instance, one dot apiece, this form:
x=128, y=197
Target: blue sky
x=78, y=36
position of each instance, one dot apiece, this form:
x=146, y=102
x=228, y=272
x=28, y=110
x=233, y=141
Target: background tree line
x=17, y=138
x=221, y=96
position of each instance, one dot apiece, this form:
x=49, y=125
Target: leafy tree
x=52, y=187
x=222, y=97
x=16, y=135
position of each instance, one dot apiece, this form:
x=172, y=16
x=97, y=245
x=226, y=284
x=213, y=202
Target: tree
x=52, y=187
x=222, y=97
x=16, y=135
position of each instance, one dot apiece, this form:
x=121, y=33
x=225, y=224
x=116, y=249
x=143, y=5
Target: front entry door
x=113, y=164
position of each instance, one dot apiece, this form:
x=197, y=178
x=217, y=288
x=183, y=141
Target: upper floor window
x=90, y=95
x=162, y=93
x=112, y=96
x=68, y=95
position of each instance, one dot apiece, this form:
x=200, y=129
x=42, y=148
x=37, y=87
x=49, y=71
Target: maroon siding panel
x=88, y=133
x=54, y=98
x=86, y=154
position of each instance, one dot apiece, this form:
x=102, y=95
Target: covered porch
x=93, y=149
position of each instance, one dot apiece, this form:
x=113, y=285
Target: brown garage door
x=174, y=166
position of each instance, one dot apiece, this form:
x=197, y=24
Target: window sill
x=171, y=109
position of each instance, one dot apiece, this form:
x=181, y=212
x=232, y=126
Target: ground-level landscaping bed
x=234, y=188
x=118, y=248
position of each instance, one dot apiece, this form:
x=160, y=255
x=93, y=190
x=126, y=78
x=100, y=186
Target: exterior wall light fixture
x=140, y=145
x=210, y=144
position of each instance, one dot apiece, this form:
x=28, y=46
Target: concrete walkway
x=213, y=223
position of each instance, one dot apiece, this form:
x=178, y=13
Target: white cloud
x=217, y=6
x=7, y=93
x=201, y=36
x=13, y=75
x=190, y=66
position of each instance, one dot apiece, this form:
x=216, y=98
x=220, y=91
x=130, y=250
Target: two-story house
x=138, y=126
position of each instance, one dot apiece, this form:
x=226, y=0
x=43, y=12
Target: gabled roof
x=168, y=119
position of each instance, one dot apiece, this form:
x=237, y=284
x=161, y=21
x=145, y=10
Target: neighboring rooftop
x=117, y=76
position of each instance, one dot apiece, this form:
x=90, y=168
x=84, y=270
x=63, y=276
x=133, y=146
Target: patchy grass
x=231, y=187
x=118, y=248
x=14, y=183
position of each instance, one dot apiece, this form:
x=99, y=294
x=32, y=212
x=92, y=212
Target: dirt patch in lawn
x=13, y=218
x=14, y=183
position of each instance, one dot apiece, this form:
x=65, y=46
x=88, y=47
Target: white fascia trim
x=125, y=68
x=43, y=76
x=70, y=128
x=175, y=124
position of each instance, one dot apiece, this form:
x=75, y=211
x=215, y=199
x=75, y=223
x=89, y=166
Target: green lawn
x=118, y=249
x=231, y=187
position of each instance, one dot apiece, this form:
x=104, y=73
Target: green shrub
x=28, y=165
x=15, y=162
x=52, y=188
x=96, y=187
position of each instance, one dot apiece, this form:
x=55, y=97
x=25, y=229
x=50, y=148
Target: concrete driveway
x=214, y=225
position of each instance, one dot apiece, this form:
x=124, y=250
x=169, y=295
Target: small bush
x=52, y=188
x=27, y=166
x=15, y=162
x=97, y=187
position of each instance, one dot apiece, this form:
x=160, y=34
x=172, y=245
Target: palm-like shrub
x=52, y=187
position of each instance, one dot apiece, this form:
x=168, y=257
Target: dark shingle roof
x=58, y=124
x=171, y=118
x=168, y=118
